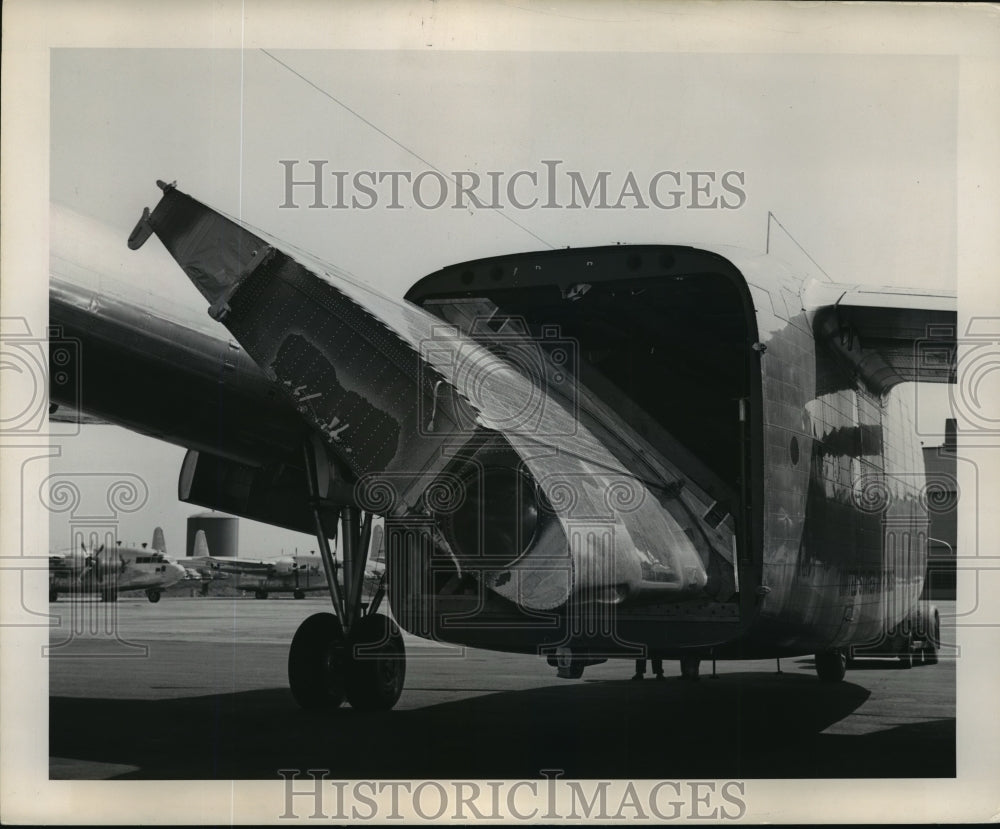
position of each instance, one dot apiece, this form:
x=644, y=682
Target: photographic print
x=530, y=413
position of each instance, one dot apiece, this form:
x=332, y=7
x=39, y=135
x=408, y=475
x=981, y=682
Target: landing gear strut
x=353, y=653
x=929, y=651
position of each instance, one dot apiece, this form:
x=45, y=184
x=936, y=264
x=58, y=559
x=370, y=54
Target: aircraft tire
x=831, y=665
x=109, y=595
x=317, y=660
x=53, y=595
x=153, y=595
x=299, y=594
x=260, y=594
x=377, y=671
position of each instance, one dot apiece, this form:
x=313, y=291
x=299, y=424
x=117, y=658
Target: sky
x=854, y=155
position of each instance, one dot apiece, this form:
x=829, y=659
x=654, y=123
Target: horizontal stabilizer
x=889, y=336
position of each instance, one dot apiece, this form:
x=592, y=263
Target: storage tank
x=222, y=532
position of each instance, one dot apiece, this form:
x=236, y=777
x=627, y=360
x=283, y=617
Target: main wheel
x=109, y=594
x=377, y=669
x=53, y=595
x=260, y=594
x=298, y=594
x=317, y=662
x=153, y=595
x=831, y=666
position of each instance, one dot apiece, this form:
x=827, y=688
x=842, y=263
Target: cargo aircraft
x=606, y=452
x=294, y=574
x=109, y=570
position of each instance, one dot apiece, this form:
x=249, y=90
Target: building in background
x=942, y=504
x=222, y=533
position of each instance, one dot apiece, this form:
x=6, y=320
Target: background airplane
x=109, y=570
x=295, y=574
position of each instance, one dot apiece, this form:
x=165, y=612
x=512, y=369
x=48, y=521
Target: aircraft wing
x=890, y=336
x=237, y=566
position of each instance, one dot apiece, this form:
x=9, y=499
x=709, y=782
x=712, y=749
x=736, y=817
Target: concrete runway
x=197, y=689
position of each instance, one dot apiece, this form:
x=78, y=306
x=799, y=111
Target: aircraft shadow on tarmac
x=739, y=725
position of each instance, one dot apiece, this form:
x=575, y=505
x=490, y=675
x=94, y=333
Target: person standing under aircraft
x=640, y=668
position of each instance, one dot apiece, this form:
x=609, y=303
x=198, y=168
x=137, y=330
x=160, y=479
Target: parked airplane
x=288, y=574
x=109, y=571
x=584, y=453
x=295, y=574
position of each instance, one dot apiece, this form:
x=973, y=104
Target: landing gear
x=368, y=667
x=689, y=668
x=298, y=594
x=153, y=595
x=831, y=665
x=109, y=594
x=929, y=651
x=260, y=594
x=316, y=662
x=566, y=665
x=53, y=595
x=377, y=666
x=353, y=653
x=570, y=664
x=906, y=651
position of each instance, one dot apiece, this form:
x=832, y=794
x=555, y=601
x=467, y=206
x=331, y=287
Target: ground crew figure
x=640, y=668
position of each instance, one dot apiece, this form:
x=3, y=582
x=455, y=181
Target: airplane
x=592, y=453
x=110, y=571
x=295, y=574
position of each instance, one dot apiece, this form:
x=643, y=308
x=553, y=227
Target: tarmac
x=196, y=688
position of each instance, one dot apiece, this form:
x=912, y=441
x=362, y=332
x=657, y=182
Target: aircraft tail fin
x=200, y=544
x=159, y=542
